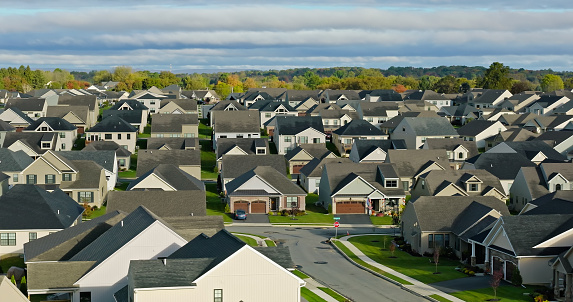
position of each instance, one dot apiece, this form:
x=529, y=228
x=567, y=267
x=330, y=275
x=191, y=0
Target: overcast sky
x=218, y=34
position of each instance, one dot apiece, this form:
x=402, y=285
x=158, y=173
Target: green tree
x=427, y=82
x=496, y=77
x=102, y=76
x=312, y=80
x=568, y=84
x=120, y=73
x=521, y=86
x=551, y=82
x=446, y=84
x=195, y=82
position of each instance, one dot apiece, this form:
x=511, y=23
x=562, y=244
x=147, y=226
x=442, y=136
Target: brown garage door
x=259, y=207
x=509, y=270
x=350, y=207
x=242, y=205
x=296, y=169
x=497, y=265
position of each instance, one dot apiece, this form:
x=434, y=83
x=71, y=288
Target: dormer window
x=473, y=187
x=43, y=128
x=261, y=151
x=391, y=184
x=46, y=145
x=557, y=187
x=461, y=155
x=423, y=184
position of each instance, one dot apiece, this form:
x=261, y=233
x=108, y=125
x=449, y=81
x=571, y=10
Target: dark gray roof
x=4, y=126
x=220, y=106
x=219, y=246
x=28, y=104
x=436, y=180
x=31, y=139
x=29, y=207
x=367, y=146
x=112, y=124
x=13, y=161
x=172, y=122
x=172, y=143
x=62, y=245
x=189, y=227
x=322, y=107
x=175, y=177
x=315, y=150
x=236, y=121
x=271, y=176
x=280, y=255
x=451, y=143
x=557, y=137
x=358, y=127
x=248, y=145
x=237, y=165
x=530, y=148
x=475, y=127
x=337, y=113
x=149, y=159
x=135, y=105
x=425, y=95
x=292, y=125
x=130, y=116
x=535, y=181
x=269, y=105
x=513, y=135
x=61, y=111
x=107, y=146
x=376, y=108
x=503, y=165
x=314, y=167
x=411, y=162
x=185, y=104
x=301, y=95
x=56, y=123
x=52, y=275
x=489, y=96
x=104, y=158
x=159, y=273
x=341, y=174
x=558, y=202
x=431, y=126
x=88, y=177
x=122, y=295
x=161, y=203
x=79, y=100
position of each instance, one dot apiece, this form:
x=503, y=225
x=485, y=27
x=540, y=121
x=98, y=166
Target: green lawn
x=102, y=109
x=270, y=243
x=248, y=240
x=384, y=220
x=146, y=132
x=439, y=298
x=300, y=274
x=204, y=130
x=310, y=296
x=333, y=294
x=208, y=161
x=419, y=268
x=79, y=144
x=214, y=204
x=507, y=293
x=352, y=256
x=97, y=213
x=121, y=186
x=7, y=262
x=314, y=214
x=127, y=174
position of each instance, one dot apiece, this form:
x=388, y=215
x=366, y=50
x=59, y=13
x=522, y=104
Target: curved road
x=307, y=247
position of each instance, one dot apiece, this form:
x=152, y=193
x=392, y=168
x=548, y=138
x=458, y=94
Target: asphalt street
x=320, y=261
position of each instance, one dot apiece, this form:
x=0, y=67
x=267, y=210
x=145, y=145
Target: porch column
x=486, y=260
x=556, y=283
x=473, y=257
x=568, y=287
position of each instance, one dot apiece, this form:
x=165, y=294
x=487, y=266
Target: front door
x=274, y=203
x=375, y=205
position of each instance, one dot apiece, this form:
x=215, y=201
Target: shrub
x=300, y=213
x=471, y=273
x=227, y=208
x=284, y=212
x=406, y=247
x=516, y=279
x=329, y=209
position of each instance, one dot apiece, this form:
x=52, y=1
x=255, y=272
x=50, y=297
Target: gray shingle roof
x=531, y=148
x=358, y=127
x=177, y=178
x=556, y=136
x=56, y=123
x=558, y=202
x=130, y=116
x=81, y=112
x=236, y=121
x=220, y=106
x=5, y=126
x=424, y=95
x=366, y=146
x=31, y=139
x=149, y=159
x=134, y=104
x=315, y=150
x=52, y=275
x=314, y=167
x=451, y=143
x=437, y=179
x=248, y=145
x=80, y=100
x=107, y=146
x=292, y=125
x=270, y=175
x=112, y=124
x=376, y=108
x=159, y=273
x=431, y=126
x=410, y=162
x=236, y=165
x=172, y=143
x=28, y=104
x=475, y=127
x=489, y=96
x=185, y=104
x=172, y=122
x=161, y=203
x=104, y=158
x=14, y=161
x=503, y=165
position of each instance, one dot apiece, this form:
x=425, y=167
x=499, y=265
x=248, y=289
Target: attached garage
x=259, y=207
x=497, y=264
x=296, y=169
x=350, y=207
x=241, y=205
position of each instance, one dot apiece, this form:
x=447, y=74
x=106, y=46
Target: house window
x=31, y=179
x=32, y=236
x=44, y=129
x=122, y=162
x=129, y=136
x=292, y=202
x=63, y=146
x=405, y=185
x=152, y=110
x=189, y=135
x=325, y=122
x=303, y=140
x=335, y=122
x=316, y=140
x=267, y=114
x=461, y=155
x=370, y=119
x=287, y=150
x=62, y=135
x=175, y=135
x=557, y=187
x=317, y=182
x=84, y=197
x=348, y=141
x=223, y=136
x=288, y=139
x=430, y=241
x=391, y=184
x=67, y=177
x=159, y=135
x=438, y=240
x=261, y=151
x=218, y=295
x=85, y=296
x=423, y=184
x=151, y=102
x=239, y=136
x=15, y=177
x=46, y=145
x=50, y=179
x=457, y=244
x=119, y=136
x=108, y=136
x=473, y=187
x=8, y=239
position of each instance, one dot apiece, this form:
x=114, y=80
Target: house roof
x=31, y=139
x=314, y=167
x=489, y=96
x=358, y=127
x=376, y=108
x=56, y=123
x=10, y=292
x=79, y=100
x=431, y=126
x=247, y=121
x=221, y=105
x=135, y=105
x=172, y=143
x=530, y=148
x=557, y=137
x=337, y=113
x=104, y=158
x=28, y=104
x=268, y=174
x=292, y=125
x=301, y=95
x=321, y=107
x=425, y=95
x=190, y=227
x=237, y=165
x=248, y=145
x=366, y=146
x=315, y=150
x=503, y=165
x=112, y=124
x=451, y=144
x=60, y=111
x=158, y=273
x=557, y=202
x=552, y=169
x=175, y=177
x=332, y=95
x=107, y=146
x=161, y=203
x=341, y=174
x=62, y=245
x=514, y=135
x=476, y=127
x=88, y=177
x=130, y=116
x=149, y=159
x=185, y=104
x=411, y=162
x=535, y=181
x=29, y=207
x=21, y=114
x=51, y=275
x=14, y=161
x=270, y=105
x=172, y=122
x=436, y=180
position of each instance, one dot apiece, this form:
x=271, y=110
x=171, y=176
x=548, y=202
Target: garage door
x=296, y=169
x=259, y=207
x=350, y=207
x=509, y=269
x=497, y=264
x=242, y=205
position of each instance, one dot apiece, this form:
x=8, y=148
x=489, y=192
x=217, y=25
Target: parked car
x=240, y=215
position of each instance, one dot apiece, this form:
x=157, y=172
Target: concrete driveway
x=463, y=284
x=253, y=218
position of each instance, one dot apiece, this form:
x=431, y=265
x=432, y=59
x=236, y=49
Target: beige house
x=175, y=125
x=186, y=160
x=114, y=129
x=65, y=131
x=78, y=116
x=178, y=106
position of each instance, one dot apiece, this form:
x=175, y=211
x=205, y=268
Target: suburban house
x=429, y=222
x=343, y=138
x=106, y=159
x=237, y=165
x=335, y=118
x=514, y=134
x=535, y=150
x=10, y=292
x=186, y=160
x=133, y=117
x=76, y=115
x=457, y=149
x=311, y=173
x=225, y=105
x=172, y=143
x=415, y=130
x=166, y=177
x=151, y=100
x=534, y=182
x=302, y=100
x=332, y=95
x=34, y=108
x=169, y=205
x=541, y=124
x=114, y=129
x=430, y=96
x=205, y=269
x=304, y=153
x=28, y=212
x=16, y=118
x=353, y=188
x=291, y=131
x=558, y=202
x=66, y=133
x=518, y=102
x=262, y=190
x=91, y=101
x=546, y=104
x=12, y=163
x=373, y=151
x=96, y=267
x=175, y=125
x=377, y=113
x=240, y=146
x=490, y=98
x=235, y=124
x=561, y=141
x=410, y=164
x=458, y=183
x=459, y=115
x=32, y=143
x=123, y=155
x=178, y=106
x=269, y=109
x=561, y=266
x=478, y=131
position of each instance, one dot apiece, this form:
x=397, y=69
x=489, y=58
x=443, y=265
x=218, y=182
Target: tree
x=195, y=82
x=427, y=82
x=446, y=84
x=496, y=77
x=437, y=257
x=249, y=83
x=516, y=278
x=393, y=248
x=312, y=80
x=87, y=209
x=120, y=73
x=465, y=87
x=521, y=86
x=551, y=82
x=399, y=88
x=495, y=281
x=568, y=84
x=102, y=76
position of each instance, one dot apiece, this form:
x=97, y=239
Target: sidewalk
x=313, y=286
x=418, y=287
